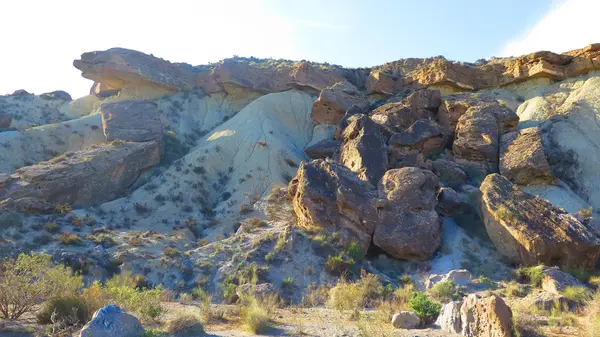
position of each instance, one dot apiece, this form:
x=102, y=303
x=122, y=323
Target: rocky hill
x=188, y=175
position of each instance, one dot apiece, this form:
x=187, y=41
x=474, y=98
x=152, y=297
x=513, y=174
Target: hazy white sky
x=41, y=38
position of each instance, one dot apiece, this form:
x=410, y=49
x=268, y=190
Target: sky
x=41, y=38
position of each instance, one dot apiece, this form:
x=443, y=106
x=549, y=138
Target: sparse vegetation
x=425, y=308
x=255, y=315
x=577, y=294
x=185, y=325
x=533, y=275
x=446, y=291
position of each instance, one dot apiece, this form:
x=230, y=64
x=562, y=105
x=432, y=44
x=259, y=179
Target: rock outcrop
x=363, y=149
x=83, y=178
x=424, y=136
x=5, y=120
x=476, y=316
x=522, y=158
x=323, y=149
x=330, y=196
x=409, y=226
x=530, y=230
x=132, y=121
x=112, y=321
x=556, y=281
x=334, y=101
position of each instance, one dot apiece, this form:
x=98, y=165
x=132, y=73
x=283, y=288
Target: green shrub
x=445, y=292
x=31, y=280
x=346, y=296
x=355, y=252
x=514, y=289
x=577, y=294
x=145, y=302
x=579, y=273
x=425, y=308
x=533, y=275
x=72, y=310
x=338, y=265
x=185, y=325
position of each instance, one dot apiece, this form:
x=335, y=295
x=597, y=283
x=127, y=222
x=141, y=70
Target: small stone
x=405, y=320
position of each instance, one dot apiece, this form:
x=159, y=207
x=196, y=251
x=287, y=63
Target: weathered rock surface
x=461, y=277
x=405, y=320
x=449, y=172
x=132, y=121
x=334, y=101
x=112, y=321
x=330, y=196
x=396, y=117
x=452, y=203
x=486, y=317
x=26, y=205
x=424, y=136
x=522, y=158
x=449, y=317
x=363, y=149
x=87, y=177
x=5, y=120
x=556, y=281
x=409, y=227
x=323, y=149
x=478, y=131
x=530, y=230
x=343, y=123
x=496, y=72
x=58, y=94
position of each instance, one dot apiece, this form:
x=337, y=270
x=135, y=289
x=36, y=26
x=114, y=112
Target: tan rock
x=409, y=227
x=486, y=317
x=405, y=320
x=82, y=178
x=380, y=82
x=363, y=149
x=326, y=195
x=334, y=101
x=522, y=158
x=530, y=230
x=424, y=136
x=132, y=121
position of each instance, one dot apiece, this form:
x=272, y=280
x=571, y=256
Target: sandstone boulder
x=323, y=149
x=460, y=277
x=5, y=120
x=522, y=158
x=486, y=317
x=343, y=123
x=478, y=131
x=530, y=230
x=405, y=320
x=363, y=149
x=98, y=174
x=452, y=203
x=424, y=136
x=103, y=90
x=409, y=227
x=334, y=101
x=132, y=121
x=449, y=172
x=112, y=321
x=556, y=281
x=380, y=82
x=326, y=195
x=449, y=317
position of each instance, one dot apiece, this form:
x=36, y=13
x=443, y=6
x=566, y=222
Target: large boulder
x=323, y=149
x=449, y=318
x=530, y=230
x=452, y=203
x=112, y=321
x=326, y=195
x=424, y=136
x=478, y=131
x=132, y=121
x=380, y=82
x=58, y=94
x=449, y=172
x=363, y=149
x=96, y=175
x=334, y=101
x=556, y=281
x=409, y=226
x=522, y=158
x=405, y=320
x=486, y=317
x=396, y=117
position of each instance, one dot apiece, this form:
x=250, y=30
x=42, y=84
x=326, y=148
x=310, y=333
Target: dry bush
x=185, y=325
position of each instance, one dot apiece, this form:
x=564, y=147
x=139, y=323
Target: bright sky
x=41, y=38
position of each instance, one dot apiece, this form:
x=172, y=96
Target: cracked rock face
x=530, y=230
x=327, y=195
